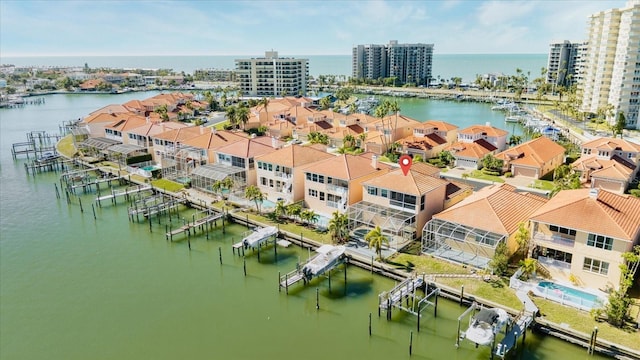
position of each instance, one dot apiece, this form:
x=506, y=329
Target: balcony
x=336, y=189
x=542, y=239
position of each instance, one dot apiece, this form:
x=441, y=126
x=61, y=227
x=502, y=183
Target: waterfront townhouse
x=393, y=128
x=579, y=235
x=534, y=158
x=475, y=142
x=608, y=163
x=280, y=174
x=124, y=123
x=335, y=183
x=208, y=142
x=166, y=144
x=400, y=204
x=98, y=120
x=429, y=138
x=469, y=231
x=143, y=135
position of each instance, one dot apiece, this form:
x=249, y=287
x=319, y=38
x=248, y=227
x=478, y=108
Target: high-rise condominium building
x=408, y=63
x=272, y=75
x=563, y=65
x=612, y=63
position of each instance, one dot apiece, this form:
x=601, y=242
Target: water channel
x=75, y=287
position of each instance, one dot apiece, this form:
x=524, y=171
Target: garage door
x=466, y=163
x=520, y=171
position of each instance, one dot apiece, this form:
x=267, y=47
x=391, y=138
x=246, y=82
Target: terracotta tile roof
x=213, y=140
x=489, y=130
x=454, y=188
x=536, y=152
x=110, y=109
x=248, y=148
x=128, y=122
x=495, y=208
x=179, y=135
x=437, y=125
x=607, y=214
x=604, y=168
x=426, y=142
x=294, y=155
x=346, y=167
x=612, y=144
x=151, y=128
x=418, y=181
x=470, y=150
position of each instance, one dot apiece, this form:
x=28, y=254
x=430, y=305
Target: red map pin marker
x=405, y=163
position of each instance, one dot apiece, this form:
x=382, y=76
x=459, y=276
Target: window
x=308, y=175
x=384, y=193
x=321, y=196
x=263, y=181
x=562, y=230
x=596, y=266
x=313, y=193
x=372, y=190
x=270, y=182
x=599, y=241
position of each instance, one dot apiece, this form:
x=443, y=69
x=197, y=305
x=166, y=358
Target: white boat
x=486, y=324
x=258, y=236
x=327, y=257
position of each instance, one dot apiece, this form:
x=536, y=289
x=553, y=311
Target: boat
x=258, y=236
x=328, y=256
x=486, y=324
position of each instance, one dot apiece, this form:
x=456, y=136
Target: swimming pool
x=151, y=167
x=568, y=295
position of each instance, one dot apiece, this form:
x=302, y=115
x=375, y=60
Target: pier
x=327, y=259
x=38, y=143
x=126, y=192
x=195, y=224
x=153, y=205
x=404, y=297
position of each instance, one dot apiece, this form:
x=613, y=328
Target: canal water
x=75, y=287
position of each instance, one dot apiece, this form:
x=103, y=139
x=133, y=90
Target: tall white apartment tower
x=408, y=63
x=612, y=63
x=563, y=65
x=272, y=75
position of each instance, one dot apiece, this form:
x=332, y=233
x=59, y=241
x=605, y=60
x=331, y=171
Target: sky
x=296, y=27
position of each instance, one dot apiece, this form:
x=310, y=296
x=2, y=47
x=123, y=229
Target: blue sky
x=68, y=28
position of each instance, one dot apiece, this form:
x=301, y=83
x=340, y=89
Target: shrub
x=508, y=174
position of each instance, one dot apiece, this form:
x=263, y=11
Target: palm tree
x=280, y=210
x=375, y=238
x=242, y=115
x=338, y=226
x=348, y=139
x=362, y=137
x=217, y=187
x=394, y=107
x=309, y=216
x=265, y=104
x=294, y=210
x=231, y=114
x=522, y=237
x=380, y=112
x=528, y=267
x=253, y=193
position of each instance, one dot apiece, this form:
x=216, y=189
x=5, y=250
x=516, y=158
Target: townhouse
x=580, y=235
x=429, y=139
x=534, y=158
x=469, y=231
x=475, y=142
x=608, y=163
x=280, y=173
x=335, y=183
x=400, y=204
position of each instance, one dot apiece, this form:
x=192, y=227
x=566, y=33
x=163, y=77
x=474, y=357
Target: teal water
x=72, y=287
x=445, y=66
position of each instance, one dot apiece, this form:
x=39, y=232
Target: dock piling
x=220, y=254
x=410, y=342
x=317, y=299
x=369, y=324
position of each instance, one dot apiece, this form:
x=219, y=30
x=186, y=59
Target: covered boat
x=486, y=324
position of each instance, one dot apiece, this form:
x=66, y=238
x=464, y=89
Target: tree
x=446, y=157
x=338, y=227
x=500, y=262
x=242, y=115
x=619, y=301
x=621, y=123
x=565, y=178
x=376, y=239
x=362, y=137
x=325, y=103
x=522, y=237
x=492, y=163
x=348, y=140
x=309, y=216
x=294, y=210
x=253, y=193
x=515, y=140
x=280, y=210
x=231, y=115
x=528, y=267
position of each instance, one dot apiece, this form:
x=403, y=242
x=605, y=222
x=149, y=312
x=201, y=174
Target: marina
x=145, y=287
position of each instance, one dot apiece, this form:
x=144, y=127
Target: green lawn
x=583, y=322
x=167, y=185
x=309, y=233
x=65, y=146
x=477, y=174
x=542, y=185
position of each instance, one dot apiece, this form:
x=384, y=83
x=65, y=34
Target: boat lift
x=514, y=329
x=328, y=257
x=413, y=303
x=257, y=239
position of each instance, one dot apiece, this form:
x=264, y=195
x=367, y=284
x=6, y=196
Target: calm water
x=72, y=287
x=445, y=66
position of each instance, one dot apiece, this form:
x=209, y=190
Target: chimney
x=593, y=193
x=201, y=129
x=213, y=130
x=274, y=142
x=374, y=161
x=488, y=124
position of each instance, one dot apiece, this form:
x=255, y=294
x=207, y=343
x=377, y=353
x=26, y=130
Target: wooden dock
x=517, y=329
x=327, y=258
x=193, y=226
x=154, y=205
x=130, y=190
x=405, y=297
x=38, y=143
